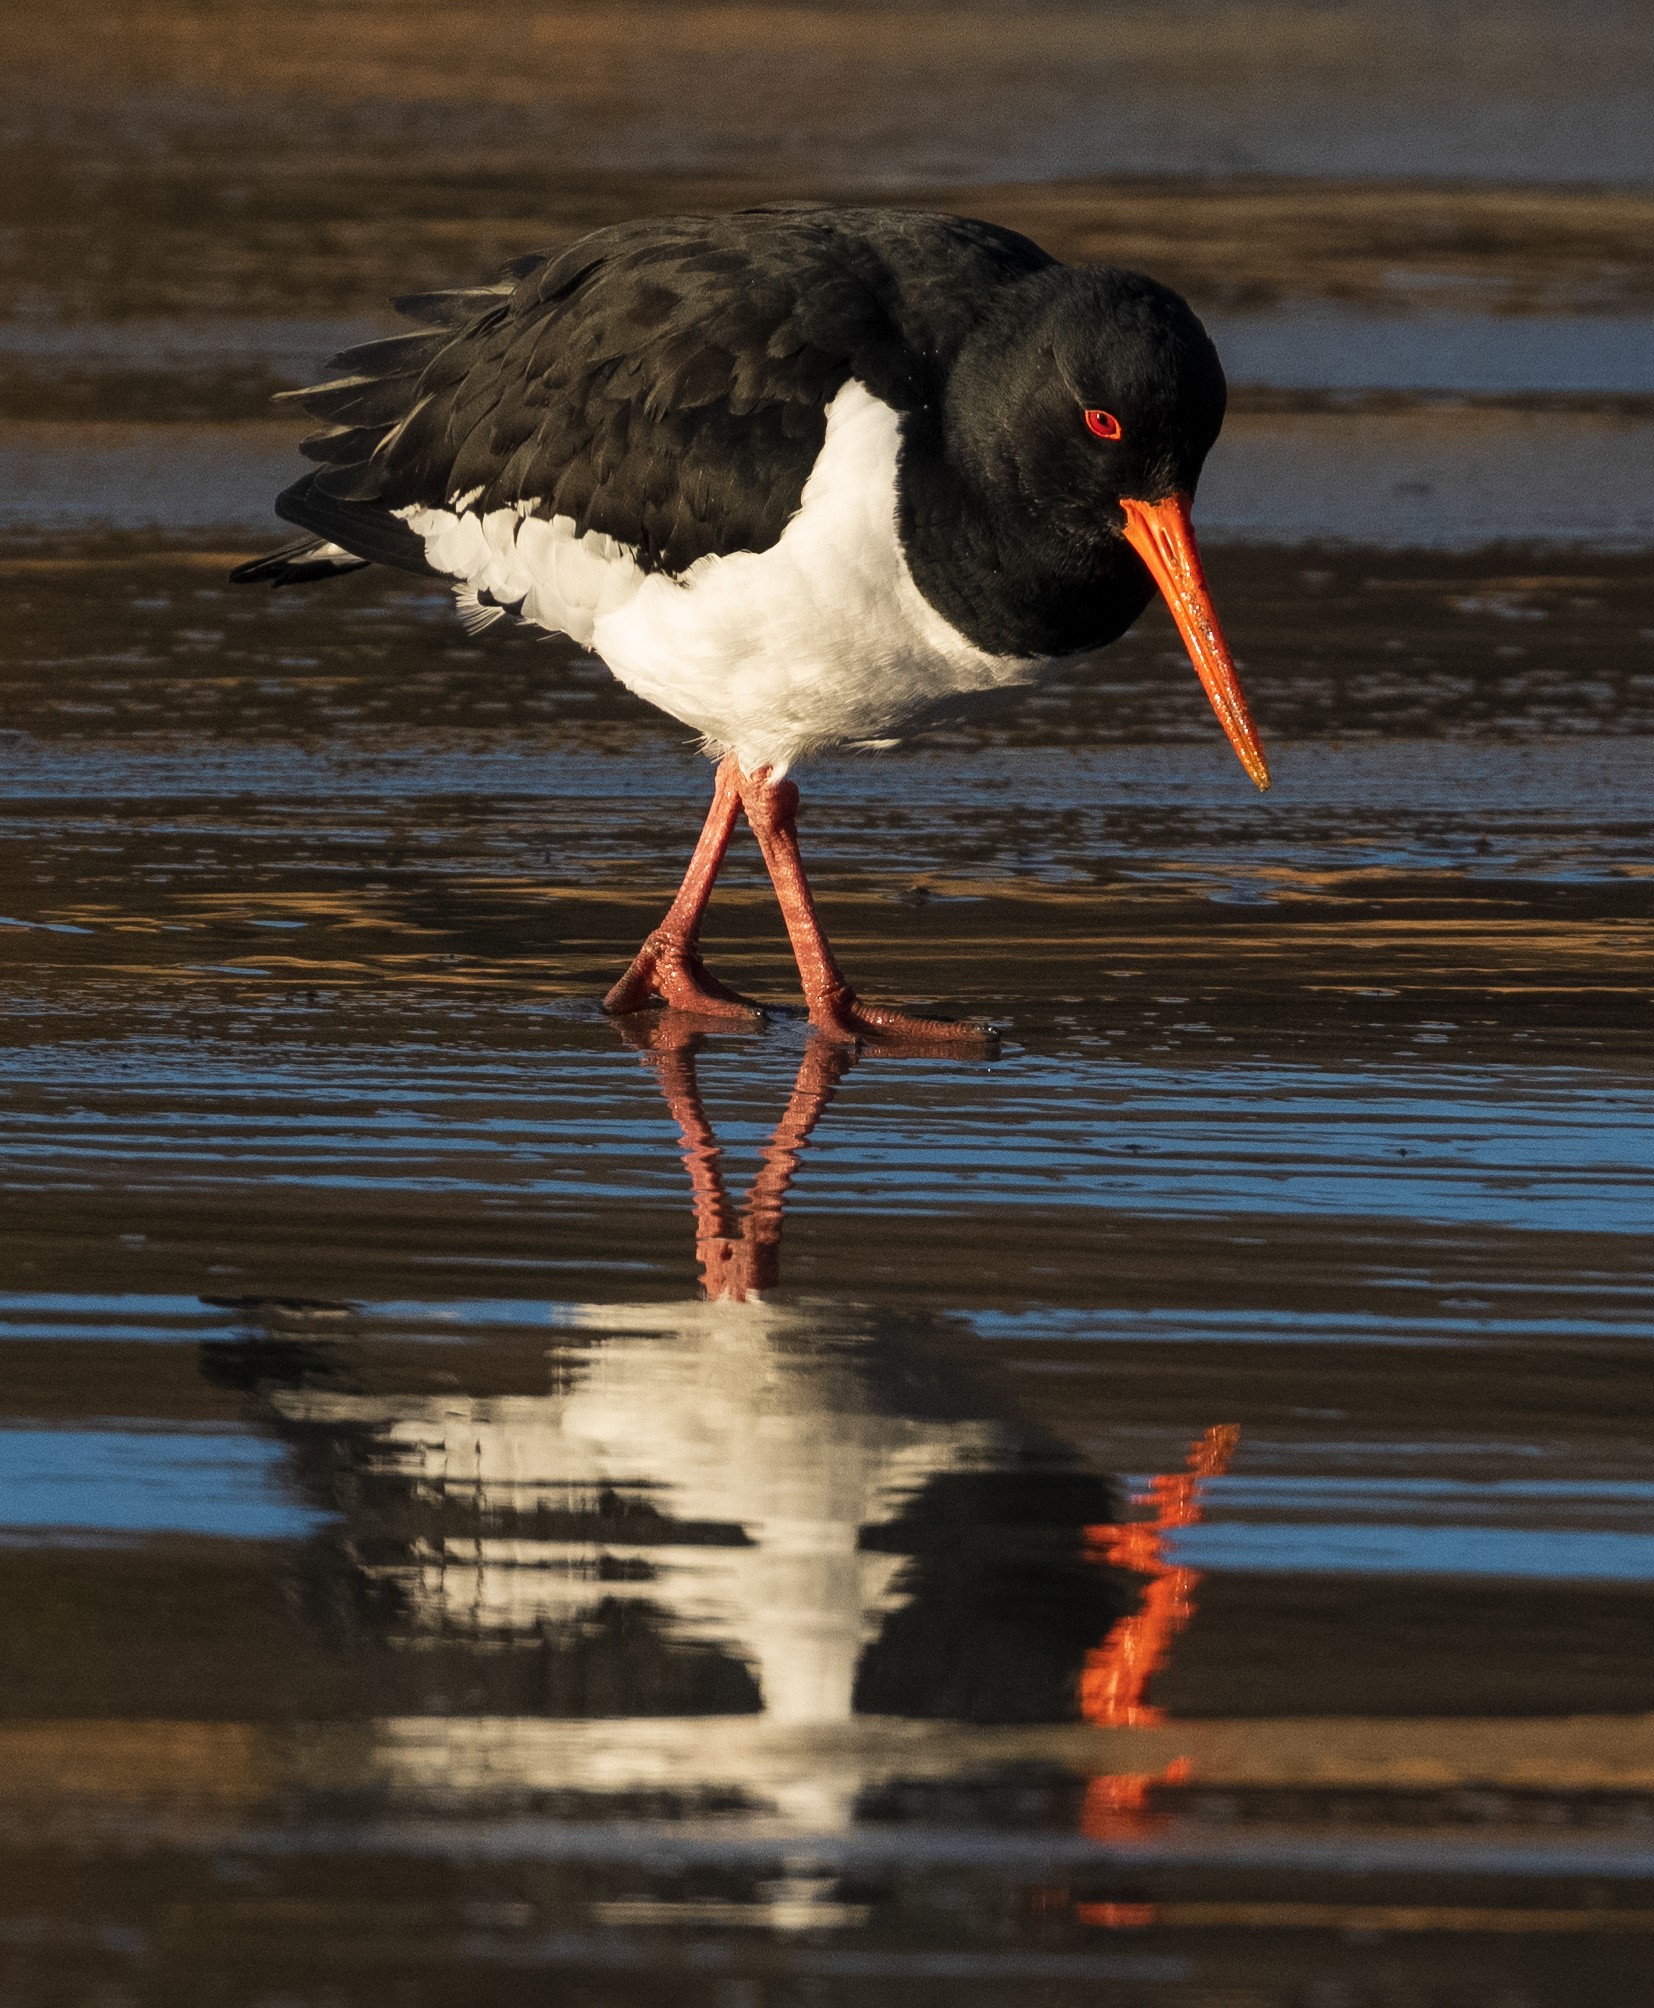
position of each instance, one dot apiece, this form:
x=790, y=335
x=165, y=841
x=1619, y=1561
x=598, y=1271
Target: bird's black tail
x=296, y=564
x=339, y=503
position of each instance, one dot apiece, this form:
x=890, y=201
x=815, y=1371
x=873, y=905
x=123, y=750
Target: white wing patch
x=534, y=566
x=823, y=640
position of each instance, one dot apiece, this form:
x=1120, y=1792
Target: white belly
x=823, y=640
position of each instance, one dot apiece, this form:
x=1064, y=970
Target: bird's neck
x=1008, y=582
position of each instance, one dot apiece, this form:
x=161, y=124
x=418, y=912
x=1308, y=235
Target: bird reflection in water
x=1115, y=1679
x=740, y=1257
x=732, y=1539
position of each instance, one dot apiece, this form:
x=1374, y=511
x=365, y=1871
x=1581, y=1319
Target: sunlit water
x=501, y=1495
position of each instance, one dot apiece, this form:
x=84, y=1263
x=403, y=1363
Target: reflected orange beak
x=1161, y=535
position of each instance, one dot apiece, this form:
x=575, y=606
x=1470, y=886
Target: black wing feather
x=664, y=382
x=297, y=564
x=373, y=534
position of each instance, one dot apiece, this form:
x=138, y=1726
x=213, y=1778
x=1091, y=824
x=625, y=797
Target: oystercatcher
x=804, y=478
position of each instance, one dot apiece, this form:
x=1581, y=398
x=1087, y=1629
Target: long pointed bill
x=1161, y=535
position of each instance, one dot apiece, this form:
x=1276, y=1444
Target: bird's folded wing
x=662, y=383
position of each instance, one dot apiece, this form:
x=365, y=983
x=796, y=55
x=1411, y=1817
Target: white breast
x=822, y=640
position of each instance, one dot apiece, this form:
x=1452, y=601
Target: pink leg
x=772, y=810
x=668, y=965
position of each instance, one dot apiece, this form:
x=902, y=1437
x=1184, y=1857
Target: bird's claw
x=845, y=1019
x=670, y=973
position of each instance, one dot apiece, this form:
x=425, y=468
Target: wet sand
x=1519, y=91
x=498, y=1505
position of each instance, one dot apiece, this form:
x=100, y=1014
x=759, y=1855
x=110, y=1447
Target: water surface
x=496, y=1495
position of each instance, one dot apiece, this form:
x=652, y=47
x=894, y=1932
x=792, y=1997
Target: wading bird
x=803, y=478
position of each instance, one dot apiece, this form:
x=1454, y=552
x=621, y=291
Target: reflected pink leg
x=739, y=1258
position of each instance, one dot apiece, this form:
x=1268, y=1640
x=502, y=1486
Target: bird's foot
x=673, y=974
x=840, y=1015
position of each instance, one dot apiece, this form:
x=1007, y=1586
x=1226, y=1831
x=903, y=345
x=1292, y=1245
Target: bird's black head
x=1081, y=411
x=1084, y=386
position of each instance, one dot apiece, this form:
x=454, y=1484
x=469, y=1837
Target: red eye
x=1103, y=423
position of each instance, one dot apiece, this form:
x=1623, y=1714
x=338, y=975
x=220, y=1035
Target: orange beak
x=1161, y=535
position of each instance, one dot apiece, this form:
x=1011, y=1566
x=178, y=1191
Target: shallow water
x=1159, y=1513
x=498, y=1505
